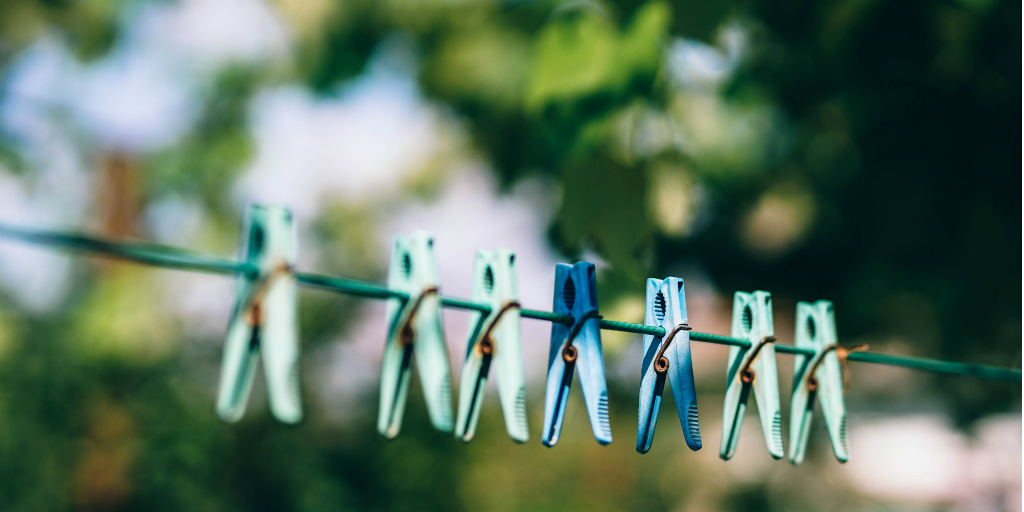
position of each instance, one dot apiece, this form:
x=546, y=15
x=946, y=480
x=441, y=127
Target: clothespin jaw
x=494, y=340
x=752, y=367
x=818, y=376
x=264, y=318
x=414, y=328
x=576, y=346
x=667, y=358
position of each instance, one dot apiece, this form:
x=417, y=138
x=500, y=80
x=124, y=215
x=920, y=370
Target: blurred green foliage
x=860, y=151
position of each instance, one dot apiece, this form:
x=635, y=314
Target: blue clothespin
x=494, y=340
x=264, y=319
x=819, y=376
x=576, y=345
x=753, y=367
x=414, y=328
x=669, y=358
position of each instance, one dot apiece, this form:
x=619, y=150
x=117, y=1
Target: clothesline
x=170, y=257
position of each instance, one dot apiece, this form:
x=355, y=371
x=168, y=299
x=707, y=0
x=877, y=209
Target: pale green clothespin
x=414, y=328
x=264, y=319
x=820, y=376
x=752, y=367
x=494, y=340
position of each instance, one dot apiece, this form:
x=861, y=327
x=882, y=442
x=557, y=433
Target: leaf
x=581, y=54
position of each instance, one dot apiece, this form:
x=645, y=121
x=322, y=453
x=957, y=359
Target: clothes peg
x=494, y=341
x=414, y=328
x=264, y=319
x=818, y=376
x=752, y=367
x=578, y=345
x=668, y=358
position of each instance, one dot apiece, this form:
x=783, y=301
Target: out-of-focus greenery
x=860, y=151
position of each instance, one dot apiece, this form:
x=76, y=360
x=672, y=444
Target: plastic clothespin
x=494, y=340
x=575, y=346
x=264, y=319
x=414, y=328
x=668, y=358
x=818, y=376
x=752, y=367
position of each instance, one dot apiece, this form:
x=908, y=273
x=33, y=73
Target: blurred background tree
x=860, y=151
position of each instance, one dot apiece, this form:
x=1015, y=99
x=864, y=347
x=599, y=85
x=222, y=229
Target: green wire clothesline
x=170, y=257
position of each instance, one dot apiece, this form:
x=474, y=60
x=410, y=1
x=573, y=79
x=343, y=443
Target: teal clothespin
x=494, y=339
x=752, y=367
x=264, y=319
x=819, y=376
x=414, y=328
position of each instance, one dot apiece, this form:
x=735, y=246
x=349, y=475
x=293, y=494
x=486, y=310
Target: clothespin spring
x=254, y=316
x=660, y=361
x=569, y=353
x=812, y=381
x=486, y=344
x=406, y=334
x=746, y=374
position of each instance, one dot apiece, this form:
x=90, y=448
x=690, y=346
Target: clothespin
x=264, y=319
x=574, y=346
x=414, y=328
x=494, y=340
x=822, y=375
x=668, y=358
x=752, y=367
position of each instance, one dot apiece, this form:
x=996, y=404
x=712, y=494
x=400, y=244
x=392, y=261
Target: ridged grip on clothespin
x=414, y=329
x=666, y=308
x=494, y=340
x=264, y=319
x=576, y=346
x=819, y=376
x=755, y=368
